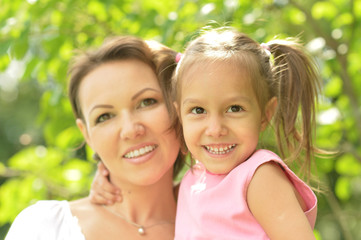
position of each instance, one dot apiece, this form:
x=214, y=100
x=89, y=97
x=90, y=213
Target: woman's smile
x=140, y=151
x=129, y=123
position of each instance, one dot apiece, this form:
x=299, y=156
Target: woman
x=119, y=95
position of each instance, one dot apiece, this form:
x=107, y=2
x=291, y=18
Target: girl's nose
x=131, y=127
x=216, y=127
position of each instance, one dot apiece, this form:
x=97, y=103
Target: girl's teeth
x=221, y=150
x=139, y=152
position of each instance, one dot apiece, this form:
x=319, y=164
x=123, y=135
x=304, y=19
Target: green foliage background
x=40, y=157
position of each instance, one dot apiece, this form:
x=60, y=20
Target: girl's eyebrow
x=142, y=91
x=189, y=101
x=238, y=98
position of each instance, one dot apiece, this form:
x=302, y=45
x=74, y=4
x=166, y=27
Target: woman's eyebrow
x=142, y=91
x=100, y=106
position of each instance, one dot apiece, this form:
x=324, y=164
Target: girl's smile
x=219, y=149
x=220, y=115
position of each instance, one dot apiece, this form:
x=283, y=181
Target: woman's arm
x=276, y=205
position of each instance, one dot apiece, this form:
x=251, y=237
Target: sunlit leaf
x=30, y=68
x=343, y=19
x=334, y=87
x=357, y=10
x=324, y=9
x=343, y=188
x=4, y=62
x=16, y=194
x=297, y=17
x=97, y=9
x=4, y=46
x=69, y=138
x=56, y=17
x=36, y=159
x=19, y=48
x=347, y=165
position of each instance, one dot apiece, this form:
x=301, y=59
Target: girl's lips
x=219, y=149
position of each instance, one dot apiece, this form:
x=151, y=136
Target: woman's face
x=126, y=121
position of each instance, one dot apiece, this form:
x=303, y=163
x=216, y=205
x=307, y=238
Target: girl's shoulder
x=275, y=181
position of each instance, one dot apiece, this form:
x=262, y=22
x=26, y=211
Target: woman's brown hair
x=160, y=58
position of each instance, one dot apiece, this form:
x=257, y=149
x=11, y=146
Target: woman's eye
x=104, y=117
x=234, y=108
x=198, y=110
x=147, y=102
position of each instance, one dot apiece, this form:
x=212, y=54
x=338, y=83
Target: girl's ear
x=270, y=110
x=83, y=129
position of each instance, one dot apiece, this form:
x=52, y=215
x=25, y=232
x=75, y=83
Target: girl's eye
x=147, y=102
x=104, y=117
x=234, y=108
x=198, y=110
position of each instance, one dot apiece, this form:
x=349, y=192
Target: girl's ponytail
x=298, y=86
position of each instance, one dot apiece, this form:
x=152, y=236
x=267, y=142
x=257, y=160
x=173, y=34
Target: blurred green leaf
x=4, y=46
x=297, y=17
x=19, y=48
x=70, y=138
x=347, y=165
x=343, y=19
x=324, y=9
x=17, y=194
x=4, y=62
x=343, y=188
x=333, y=87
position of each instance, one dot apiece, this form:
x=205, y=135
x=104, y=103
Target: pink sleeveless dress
x=214, y=206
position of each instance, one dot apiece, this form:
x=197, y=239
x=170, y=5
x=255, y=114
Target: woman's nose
x=215, y=127
x=130, y=127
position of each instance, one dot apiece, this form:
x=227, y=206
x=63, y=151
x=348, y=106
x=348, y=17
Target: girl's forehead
x=214, y=66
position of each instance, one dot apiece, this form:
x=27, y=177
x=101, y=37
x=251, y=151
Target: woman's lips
x=140, y=151
x=141, y=154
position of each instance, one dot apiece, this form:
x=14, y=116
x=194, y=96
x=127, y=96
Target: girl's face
x=220, y=115
x=126, y=122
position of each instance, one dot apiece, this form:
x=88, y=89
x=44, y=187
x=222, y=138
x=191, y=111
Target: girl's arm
x=102, y=191
x=276, y=204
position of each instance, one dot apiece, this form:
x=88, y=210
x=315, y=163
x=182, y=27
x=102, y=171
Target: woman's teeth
x=220, y=150
x=139, y=152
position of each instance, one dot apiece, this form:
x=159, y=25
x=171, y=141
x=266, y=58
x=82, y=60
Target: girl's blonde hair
x=281, y=69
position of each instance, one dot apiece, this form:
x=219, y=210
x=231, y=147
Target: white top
x=46, y=220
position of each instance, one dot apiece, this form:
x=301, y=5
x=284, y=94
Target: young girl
x=227, y=88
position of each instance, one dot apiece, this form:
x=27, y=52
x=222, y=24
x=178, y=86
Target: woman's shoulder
x=44, y=211
x=43, y=220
